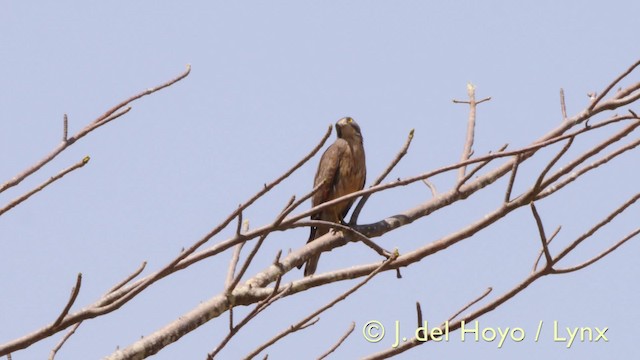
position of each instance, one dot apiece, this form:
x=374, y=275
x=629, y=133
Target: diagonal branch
x=307, y=319
x=40, y=187
x=378, y=180
x=103, y=119
x=604, y=93
x=340, y=341
x=543, y=236
x=599, y=256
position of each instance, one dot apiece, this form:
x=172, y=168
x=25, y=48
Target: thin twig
x=86, y=130
x=512, y=179
x=64, y=339
x=476, y=169
x=432, y=188
x=359, y=236
x=293, y=205
x=239, y=226
x=464, y=308
x=382, y=176
x=302, y=323
x=600, y=256
x=541, y=252
x=260, y=306
x=128, y=278
x=232, y=267
x=419, y=313
x=536, y=188
x=254, y=251
x=563, y=106
x=611, y=85
x=597, y=227
x=40, y=187
x=72, y=299
x=65, y=128
x=576, y=174
x=543, y=236
x=340, y=341
x=471, y=125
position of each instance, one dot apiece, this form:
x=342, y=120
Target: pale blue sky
x=267, y=80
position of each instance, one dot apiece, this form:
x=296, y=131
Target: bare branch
x=475, y=301
x=64, y=339
x=65, y=128
x=86, y=130
x=553, y=236
x=128, y=278
x=536, y=188
x=72, y=299
x=597, y=227
x=477, y=168
x=419, y=313
x=563, y=106
x=232, y=267
x=382, y=176
x=340, y=341
x=38, y=188
x=574, y=175
x=359, y=236
x=600, y=256
x=306, y=320
x=260, y=306
x=434, y=191
x=512, y=179
x=543, y=236
x=471, y=124
x=611, y=85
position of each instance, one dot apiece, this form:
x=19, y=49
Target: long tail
x=311, y=265
x=312, y=262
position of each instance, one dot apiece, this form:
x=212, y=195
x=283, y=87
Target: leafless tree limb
x=542, y=249
x=419, y=313
x=255, y=290
x=476, y=169
x=382, y=176
x=65, y=128
x=306, y=320
x=432, y=188
x=475, y=301
x=543, y=236
x=600, y=256
x=86, y=130
x=471, y=125
x=340, y=341
x=512, y=179
x=611, y=85
x=358, y=235
x=597, y=227
x=64, y=339
x=563, y=106
x=38, y=188
x=232, y=266
x=72, y=299
x=133, y=275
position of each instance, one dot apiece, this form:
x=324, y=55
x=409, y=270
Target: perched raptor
x=342, y=168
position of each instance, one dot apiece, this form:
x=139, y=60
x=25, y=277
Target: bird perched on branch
x=342, y=170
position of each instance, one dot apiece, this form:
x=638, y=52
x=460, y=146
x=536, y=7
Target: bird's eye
x=350, y=120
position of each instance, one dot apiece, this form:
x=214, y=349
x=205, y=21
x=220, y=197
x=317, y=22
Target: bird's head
x=347, y=128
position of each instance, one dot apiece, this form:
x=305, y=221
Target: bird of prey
x=343, y=170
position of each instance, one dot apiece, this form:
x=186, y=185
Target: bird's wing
x=328, y=171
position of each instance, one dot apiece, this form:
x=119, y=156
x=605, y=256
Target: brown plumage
x=342, y=168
